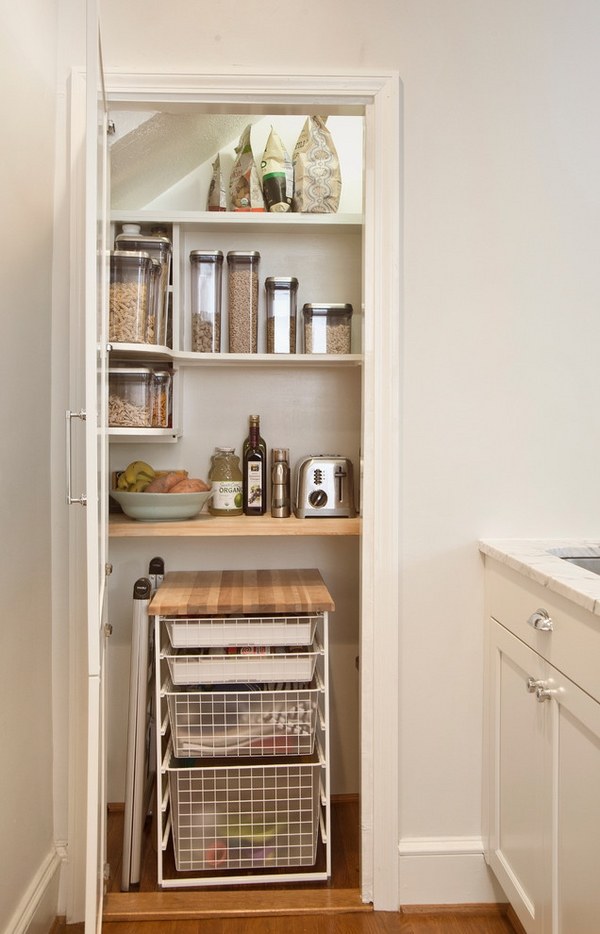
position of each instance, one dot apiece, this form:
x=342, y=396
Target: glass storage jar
x=129, y=296
x=225, y=476
x=281, y=313
x=162, y=383
x=159, y=249
x=243, y=301
x=206, y=268
x=130, y=397
x=327, y=328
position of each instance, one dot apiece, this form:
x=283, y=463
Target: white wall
x=500, y=324
x=27, y=116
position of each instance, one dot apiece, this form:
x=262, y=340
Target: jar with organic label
x=225, y=476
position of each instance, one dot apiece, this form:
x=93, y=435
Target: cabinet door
x=519, y=796
x=576, y=807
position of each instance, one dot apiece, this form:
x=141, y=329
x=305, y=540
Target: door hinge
x=110, y=127
x=108, y=569
x=108, y=630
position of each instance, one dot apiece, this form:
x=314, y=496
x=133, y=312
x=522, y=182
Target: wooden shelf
x=205, y=525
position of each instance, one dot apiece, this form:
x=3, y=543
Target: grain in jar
x=129, y=296
x=243, y=301
x=206, y=268
x=130, y=397
x=159, y=248
x=162, y=383
x=327, y=328
x=281, y=314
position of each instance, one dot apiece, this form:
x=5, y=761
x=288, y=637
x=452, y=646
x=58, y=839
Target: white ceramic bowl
x=160, y=507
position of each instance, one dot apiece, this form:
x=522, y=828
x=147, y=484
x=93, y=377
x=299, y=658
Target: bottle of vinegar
x=254, y=471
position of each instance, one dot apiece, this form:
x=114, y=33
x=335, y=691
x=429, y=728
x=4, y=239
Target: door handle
x=82, y=500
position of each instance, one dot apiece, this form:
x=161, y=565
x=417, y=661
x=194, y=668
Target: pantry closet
x=339, y=404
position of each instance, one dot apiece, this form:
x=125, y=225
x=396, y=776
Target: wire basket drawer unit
x=244, y=720
x=251, y=649
x=250, y=816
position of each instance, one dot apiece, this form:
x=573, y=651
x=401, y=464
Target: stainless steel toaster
x=324, y=487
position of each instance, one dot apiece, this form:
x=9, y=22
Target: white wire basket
x=187, y=632
x=245, y=817
x=261, y=664
x=260, y=720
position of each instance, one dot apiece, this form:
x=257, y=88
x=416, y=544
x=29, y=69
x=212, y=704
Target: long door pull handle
x=82, y=500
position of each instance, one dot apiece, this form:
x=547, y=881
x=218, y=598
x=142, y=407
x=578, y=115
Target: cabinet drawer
x=573, y=645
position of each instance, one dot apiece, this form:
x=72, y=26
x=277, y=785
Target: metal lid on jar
x=242, y=256
x=206, y=256
x=141, y=372
x=142, y=242
x=333, y=308
x=281, y=282
x=224, y=450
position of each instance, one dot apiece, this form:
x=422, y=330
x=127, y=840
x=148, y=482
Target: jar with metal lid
x=206, y=268
x=159, y=249
x=281, y=313
x=130, y=397
x=243, y=301
x=129, y=296
x=327, y=328
x=225, y=476
x=162, y=383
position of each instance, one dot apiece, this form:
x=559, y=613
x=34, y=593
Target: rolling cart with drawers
x=242, y=743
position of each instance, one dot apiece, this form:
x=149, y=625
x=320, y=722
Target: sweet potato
x=166, y=483
x=190, y=486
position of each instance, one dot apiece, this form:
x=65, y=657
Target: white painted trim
x=378, y=97
x=35, y=894
x=440, y=846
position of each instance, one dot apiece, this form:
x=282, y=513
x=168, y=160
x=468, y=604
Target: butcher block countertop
x=215, y=593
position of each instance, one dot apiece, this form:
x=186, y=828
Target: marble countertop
x=541, y=561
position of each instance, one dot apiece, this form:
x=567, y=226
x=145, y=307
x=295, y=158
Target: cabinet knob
x=543, y=694
x=533, y=685
x=541, y=620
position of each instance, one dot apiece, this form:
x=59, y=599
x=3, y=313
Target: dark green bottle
x=254, y=473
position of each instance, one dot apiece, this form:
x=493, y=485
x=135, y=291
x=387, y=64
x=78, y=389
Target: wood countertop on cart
x=215, y=593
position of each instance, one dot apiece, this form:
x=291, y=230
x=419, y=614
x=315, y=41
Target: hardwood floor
x=332, y=907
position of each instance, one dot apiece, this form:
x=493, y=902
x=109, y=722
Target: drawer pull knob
x=541, y=620
x=544, y=694
x=533, y=685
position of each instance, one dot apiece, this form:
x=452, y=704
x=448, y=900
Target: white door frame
x=378, y=98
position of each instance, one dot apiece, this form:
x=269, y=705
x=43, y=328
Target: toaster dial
x=317, y=498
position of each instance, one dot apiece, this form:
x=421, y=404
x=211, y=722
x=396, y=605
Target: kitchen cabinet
x=543, y=753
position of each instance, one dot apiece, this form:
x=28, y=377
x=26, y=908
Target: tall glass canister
x=206, y=268
x=281, y=313
x=243, y=301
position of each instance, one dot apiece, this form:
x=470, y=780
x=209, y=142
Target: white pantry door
x=96, y=356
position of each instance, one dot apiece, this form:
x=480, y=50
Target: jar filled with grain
x=281, y=314
x=159, y=249
x=327, y=328
x=129, y=296
x=206, y=268
x=243, y=301
x=130, y=397
x=162, y=382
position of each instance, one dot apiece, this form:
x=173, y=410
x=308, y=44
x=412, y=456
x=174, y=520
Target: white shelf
x=139, y=435
x=150, y=352
x=235, y=219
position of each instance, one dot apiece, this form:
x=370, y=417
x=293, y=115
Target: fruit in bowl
x=159, y=495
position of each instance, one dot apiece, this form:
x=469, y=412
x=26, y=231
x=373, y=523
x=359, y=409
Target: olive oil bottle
x=254, y=473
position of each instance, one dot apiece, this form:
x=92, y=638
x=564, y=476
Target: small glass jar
x=129, y=296
x=243, y=301
x=152, y=326
x=281, y=314
x=206, y=274
x=159, y=249
x=130, y=397
x=225, y=476
x=327, y=328
x=162, y=382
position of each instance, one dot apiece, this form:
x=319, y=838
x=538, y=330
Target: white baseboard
x=37, y=910
x=445, y=871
